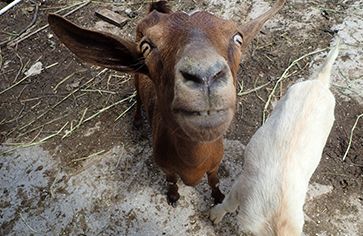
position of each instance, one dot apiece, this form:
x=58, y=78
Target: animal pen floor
x=71, y=163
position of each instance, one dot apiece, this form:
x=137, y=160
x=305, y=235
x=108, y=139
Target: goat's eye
x=238, y=39
x=145, y=48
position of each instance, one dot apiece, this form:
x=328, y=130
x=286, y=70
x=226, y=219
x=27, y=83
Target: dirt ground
x=71, y=162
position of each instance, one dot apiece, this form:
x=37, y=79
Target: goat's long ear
x=98, y=48
x=250, y=29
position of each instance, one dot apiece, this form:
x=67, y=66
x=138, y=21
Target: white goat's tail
x=325, y=71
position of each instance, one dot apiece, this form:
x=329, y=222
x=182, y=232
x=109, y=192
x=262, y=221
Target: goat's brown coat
x=186, y=73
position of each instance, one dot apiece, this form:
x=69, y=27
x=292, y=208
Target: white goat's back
x=283, y=154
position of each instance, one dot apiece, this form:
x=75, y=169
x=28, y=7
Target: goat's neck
x=194, y=153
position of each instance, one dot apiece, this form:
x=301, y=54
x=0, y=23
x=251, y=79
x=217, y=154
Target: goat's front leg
x=138, y=113
x=172, y=194
x=229, y=204
x=213, y=182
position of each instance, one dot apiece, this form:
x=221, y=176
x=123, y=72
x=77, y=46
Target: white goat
x=280, y=159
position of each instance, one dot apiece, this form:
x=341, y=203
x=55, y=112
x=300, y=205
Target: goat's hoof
x=218, y=197
x=216, y=214
x=173, y=198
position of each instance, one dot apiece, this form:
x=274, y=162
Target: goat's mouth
x=205, y=125
x=204, y=119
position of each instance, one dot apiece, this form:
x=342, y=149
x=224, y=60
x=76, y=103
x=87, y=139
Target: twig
x=5, y=9
x=254, y=89
x=21, y=92
x=331, y=10
x=34, y=19
x=117, y=76
x=256, y=93
x=240, y=86
x=87, y=157
x=81, y=5
x=37, y=135
x=108, y=107
x=8, y=33
x=27, y=76
x=14, y=85
x=22, y=218
x=50, y=66
x=46, y=138
x=17, y=117
x=63, y=80
x=268, y=58
x=100, y=91
x=116, y=4
x=3, y=121
x=62, y=8
x=51, y=191
x=119, y=157
x=123, y=113
x=20, y=69
x=351, y=135
x=65, y=98
x=355, y=164
x=334, y=174
x=41, y=126
x=25, y=145
x=77, y=126
x=1, y=60
x=30, y=99
x=35, y=105
x=283, y=76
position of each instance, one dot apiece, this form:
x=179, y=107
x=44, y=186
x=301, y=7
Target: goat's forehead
x=181, y=23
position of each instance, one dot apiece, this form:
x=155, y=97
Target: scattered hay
x=351, y=135
x=284, y=76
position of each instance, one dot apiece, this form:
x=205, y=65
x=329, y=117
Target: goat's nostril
x=190, y=77
x=206, y=77
x=220, y=74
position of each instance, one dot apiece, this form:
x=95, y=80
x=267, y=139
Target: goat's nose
x=207, y=77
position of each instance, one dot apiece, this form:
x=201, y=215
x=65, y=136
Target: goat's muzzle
x=204, y=94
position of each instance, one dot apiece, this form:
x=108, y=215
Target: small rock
x=111, y=17
x=35, y=69
x=73, y=85
x=316, y=190
x=130, y=13
x=27, y=9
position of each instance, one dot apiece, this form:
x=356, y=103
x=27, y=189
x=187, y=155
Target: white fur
x=280, y=159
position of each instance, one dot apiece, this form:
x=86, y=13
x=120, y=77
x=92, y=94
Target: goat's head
x=191, y=59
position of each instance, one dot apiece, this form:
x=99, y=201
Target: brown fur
x=185, y=82
x=176, y=155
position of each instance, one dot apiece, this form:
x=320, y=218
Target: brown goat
x=185, y=75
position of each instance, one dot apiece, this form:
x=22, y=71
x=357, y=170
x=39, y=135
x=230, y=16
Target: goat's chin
x=205, y=126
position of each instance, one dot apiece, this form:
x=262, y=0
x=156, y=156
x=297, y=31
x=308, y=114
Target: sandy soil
x=98, y=178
